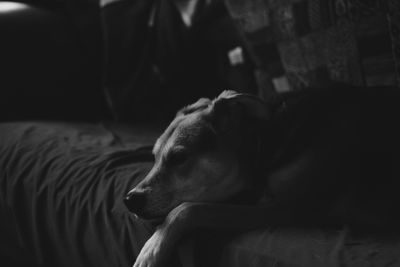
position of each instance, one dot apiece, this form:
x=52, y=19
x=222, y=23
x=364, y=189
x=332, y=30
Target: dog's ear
x=201, y=104
x=232, y=108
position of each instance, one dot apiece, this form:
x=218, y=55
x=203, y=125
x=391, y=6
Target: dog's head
x=199, y=156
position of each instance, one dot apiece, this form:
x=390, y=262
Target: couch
x=61, y=183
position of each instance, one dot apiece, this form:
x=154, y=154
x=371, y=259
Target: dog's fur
x=321, y=157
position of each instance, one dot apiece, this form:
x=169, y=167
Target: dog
x=325, y=157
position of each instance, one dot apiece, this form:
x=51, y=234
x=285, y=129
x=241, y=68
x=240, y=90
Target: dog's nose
x=135, y=201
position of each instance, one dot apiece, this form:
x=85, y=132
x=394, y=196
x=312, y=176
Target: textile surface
x=311, y=43
x=61, y=191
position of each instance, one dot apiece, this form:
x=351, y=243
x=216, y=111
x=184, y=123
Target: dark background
x=83, y=60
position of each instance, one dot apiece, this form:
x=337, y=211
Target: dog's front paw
x=154, y=252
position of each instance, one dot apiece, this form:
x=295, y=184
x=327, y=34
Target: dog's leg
x=190, y=216
x=186, y=252
x=206, y=215
x=157, y=249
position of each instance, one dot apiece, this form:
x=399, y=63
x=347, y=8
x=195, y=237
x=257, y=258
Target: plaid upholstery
x=302, y=43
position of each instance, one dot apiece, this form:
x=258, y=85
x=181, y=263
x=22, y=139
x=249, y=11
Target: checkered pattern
x=302, y=43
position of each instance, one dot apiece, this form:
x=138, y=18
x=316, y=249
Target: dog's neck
x=279, y=132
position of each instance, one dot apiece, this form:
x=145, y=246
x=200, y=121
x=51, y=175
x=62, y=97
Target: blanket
x=61, y=191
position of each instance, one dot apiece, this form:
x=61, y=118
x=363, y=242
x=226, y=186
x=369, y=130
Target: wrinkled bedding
x=61, y=190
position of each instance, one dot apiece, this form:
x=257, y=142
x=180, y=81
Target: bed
x=61, y=189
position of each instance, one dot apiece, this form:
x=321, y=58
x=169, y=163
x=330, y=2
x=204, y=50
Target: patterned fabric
x=302, y=43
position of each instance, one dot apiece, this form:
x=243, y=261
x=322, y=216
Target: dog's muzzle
x=135, y=201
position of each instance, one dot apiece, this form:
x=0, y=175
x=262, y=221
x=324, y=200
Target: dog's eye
x=177, y=158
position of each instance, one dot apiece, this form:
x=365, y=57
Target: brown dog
x=310, y=159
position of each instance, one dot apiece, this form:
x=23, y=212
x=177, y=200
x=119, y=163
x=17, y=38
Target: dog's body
x=327, y=157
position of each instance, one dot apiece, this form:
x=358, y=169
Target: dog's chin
x=150, y=217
